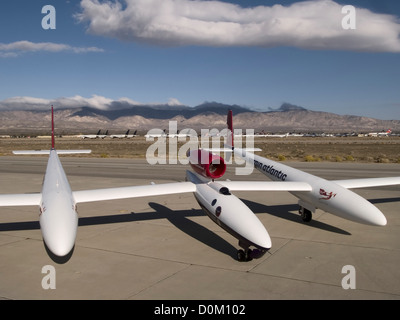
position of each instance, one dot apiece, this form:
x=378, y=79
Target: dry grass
x=378, y=150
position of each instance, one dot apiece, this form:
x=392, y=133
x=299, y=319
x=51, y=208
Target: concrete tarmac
x=166, y=248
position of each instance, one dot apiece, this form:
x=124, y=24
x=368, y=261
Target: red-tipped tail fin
x=229, y=122
x=52, y=128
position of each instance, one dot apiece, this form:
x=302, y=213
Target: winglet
x=52, y=128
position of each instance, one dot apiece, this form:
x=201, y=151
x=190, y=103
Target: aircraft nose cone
x=59, y=229
x=379, y=219
x=263, y=240
x=372, y=215
x=60, y=249
x=257, y=234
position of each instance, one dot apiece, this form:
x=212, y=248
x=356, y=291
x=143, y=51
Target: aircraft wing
x=266, y=185
x=23, y=199
x=133, y=191
x=368, y=182
x=39, y=152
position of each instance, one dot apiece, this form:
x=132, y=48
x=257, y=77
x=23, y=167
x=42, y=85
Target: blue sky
x=153, y=51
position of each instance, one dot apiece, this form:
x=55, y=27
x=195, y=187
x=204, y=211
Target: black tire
x=241, y=256
x=306, y=215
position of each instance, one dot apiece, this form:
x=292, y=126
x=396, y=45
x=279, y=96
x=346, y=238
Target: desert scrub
x=312, y=159
x=281, y=157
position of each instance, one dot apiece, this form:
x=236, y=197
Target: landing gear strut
x=247, y=254
x=306, y=214
x=243, y=255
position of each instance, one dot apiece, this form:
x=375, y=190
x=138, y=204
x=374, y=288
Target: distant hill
x=121, y=109
x=123, y=116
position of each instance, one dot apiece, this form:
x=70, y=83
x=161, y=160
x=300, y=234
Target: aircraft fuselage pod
x=58, y=217
x=231, y=214
x=326, y=195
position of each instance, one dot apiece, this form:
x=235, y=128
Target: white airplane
x=102, y=136
x=380, y=134
x=267, y=135
x=90, y=136
x=314, y=192
x=94, y=136
x=58, y=215
x=126, y=135
x=57, y=203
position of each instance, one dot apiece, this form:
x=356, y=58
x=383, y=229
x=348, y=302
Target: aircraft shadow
x=179, y=218
x=384, y=200
x=280, y=211
x=284, y=212
x=195, y=230
x=19, y=226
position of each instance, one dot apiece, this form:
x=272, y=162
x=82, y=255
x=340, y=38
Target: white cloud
x=98, y=102
x=308, y=24
x=174, y=102
x=14, y=49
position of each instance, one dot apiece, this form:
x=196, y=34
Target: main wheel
x=249, y=255
x=241, y=256
x=306, y=215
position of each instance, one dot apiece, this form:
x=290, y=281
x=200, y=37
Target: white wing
x=31, y=199
x=133, y=192
x=23, y=199
x=266, y=186
x=32, y=152
x=369, y=182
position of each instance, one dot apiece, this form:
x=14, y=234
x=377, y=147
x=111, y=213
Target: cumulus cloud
x=14, y=49
x=96, y=101
x=308, y=24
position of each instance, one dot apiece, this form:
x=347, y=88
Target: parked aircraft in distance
x=380, y=134
x=90, y=136
x=126, y=135
x=94, y=136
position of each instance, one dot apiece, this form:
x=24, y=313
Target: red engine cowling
x=207, y=164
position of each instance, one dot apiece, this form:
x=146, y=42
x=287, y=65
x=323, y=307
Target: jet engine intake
x=207, y=164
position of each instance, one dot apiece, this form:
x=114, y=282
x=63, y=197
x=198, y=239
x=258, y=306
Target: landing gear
x=244, y=255
x=306, y=214
x=247, y=254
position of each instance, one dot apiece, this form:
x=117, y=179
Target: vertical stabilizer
x=229, y=122
x=52, y=128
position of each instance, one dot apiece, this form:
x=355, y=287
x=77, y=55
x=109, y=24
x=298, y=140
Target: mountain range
x=121, y=116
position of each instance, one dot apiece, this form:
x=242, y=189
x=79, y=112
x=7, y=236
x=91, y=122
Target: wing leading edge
x=133, y=191
x=368, y=182
x=23, y=199
x=266, y=186
x=184, y=187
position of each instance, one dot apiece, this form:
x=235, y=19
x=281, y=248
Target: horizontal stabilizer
x=38, y=152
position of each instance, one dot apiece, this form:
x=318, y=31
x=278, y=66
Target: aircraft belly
x=231, y=214
x=58, y=223
x=333, y=198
